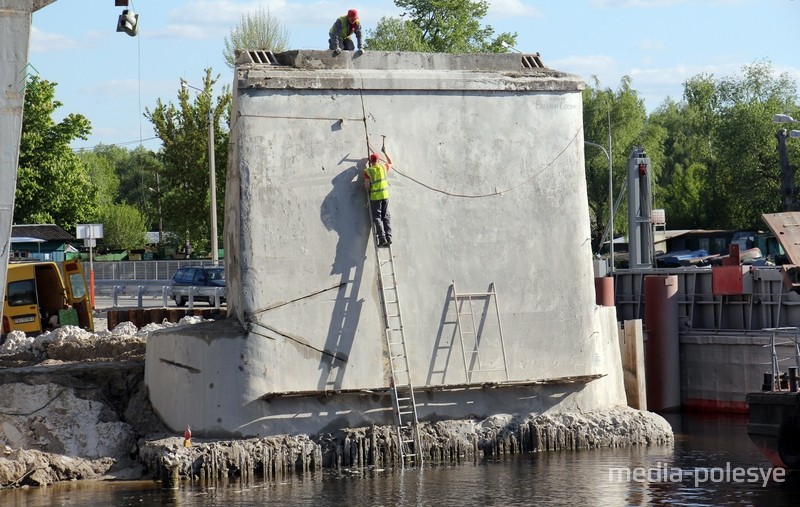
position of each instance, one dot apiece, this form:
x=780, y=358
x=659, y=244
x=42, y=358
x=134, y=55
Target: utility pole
x=788, y=172
x=212, y=179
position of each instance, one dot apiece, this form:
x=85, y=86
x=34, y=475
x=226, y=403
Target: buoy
x=187, y=437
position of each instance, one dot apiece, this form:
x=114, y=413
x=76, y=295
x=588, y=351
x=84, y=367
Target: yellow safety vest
x=345, y=33
x=378, y=184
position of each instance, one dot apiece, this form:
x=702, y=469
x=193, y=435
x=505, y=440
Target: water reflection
x=702, y=444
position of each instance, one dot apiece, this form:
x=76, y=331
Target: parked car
x=198, y=276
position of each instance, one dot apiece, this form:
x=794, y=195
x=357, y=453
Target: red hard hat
x=352, y=13
x=373, y=157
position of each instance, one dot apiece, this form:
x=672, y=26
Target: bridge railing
x=157, y=288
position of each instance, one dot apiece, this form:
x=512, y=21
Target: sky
x=112, y=78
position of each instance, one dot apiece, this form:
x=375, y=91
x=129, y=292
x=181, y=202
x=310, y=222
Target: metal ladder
x=405, y=407
x=474, y=356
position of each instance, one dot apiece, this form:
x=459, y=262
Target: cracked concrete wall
x=488, y=191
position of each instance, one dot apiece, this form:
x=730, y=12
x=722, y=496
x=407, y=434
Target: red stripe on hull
x=704, y=405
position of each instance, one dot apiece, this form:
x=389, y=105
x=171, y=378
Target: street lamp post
x=610, y=200
x=212, y=178
x=157, y=191
x=788, y=171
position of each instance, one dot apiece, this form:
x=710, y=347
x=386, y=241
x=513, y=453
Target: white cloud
x=603, y=4
x=586, y=65
x=512, y=9
x=183, y=32
x=634, y=3
x=113, y=89
x=207, y=19
x=653, y=84
x=43, y=42
x=208, y=12
x=678, y=74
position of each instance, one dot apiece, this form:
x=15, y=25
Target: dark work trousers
x=346, y=44
x=381, y=219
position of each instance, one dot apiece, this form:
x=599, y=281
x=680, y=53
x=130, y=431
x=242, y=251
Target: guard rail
x=155, y=288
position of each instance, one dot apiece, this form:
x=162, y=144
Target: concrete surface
x=488, y=187
x=15, y=28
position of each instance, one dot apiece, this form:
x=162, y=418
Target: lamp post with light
x=788, y=171
x=212, y=178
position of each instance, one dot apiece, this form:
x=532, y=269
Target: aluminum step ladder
x=402, y=387
x=465, y=321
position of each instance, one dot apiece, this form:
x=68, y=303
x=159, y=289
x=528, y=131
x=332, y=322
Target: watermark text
x=663, y=472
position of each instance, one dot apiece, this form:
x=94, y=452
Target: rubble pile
x=73, y=405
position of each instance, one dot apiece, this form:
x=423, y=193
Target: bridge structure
x=487, y=194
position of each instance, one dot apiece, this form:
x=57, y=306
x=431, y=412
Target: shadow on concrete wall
x=444, y=345
x=339, y=212
x=474, y=314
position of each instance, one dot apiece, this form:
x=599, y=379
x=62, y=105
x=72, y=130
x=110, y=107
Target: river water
x=712, y=462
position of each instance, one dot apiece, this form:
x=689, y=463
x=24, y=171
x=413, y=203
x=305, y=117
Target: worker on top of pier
x=342, y=29
x=375, y=179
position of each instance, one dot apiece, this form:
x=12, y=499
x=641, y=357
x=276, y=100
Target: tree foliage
x=123, y=227
x=126, y=177
x=623, y=111
x=439, y=26
x=183, y=130
x=721, y=168
x=53, y=185
x=396, y=34
x=139, y=174
x=256, y=30
x=102, y=173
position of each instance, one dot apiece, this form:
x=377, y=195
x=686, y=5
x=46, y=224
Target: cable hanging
x=454, y=194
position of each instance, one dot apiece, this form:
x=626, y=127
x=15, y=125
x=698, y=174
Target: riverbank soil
x=73, y=406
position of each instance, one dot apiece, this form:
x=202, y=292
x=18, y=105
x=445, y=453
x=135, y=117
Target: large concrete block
x=488, y=190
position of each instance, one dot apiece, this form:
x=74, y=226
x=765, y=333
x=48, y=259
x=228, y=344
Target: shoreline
x=443, y=442
x=70, y=379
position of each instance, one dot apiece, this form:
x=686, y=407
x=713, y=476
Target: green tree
x=396, y=34
x=126, y=177
x=103, y=175
x=690, y=168
x=623, y=111
x=721, y=144
x=257, y=30
x=139, y=174
x=439, y=26
x=183, y=130
x=53, y=186
x=686, y=197
x=123, y=227
x=746, y=137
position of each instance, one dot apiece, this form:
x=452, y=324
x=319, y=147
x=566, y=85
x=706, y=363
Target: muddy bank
x=92, y=420
x=442, y=442
x=73, y=406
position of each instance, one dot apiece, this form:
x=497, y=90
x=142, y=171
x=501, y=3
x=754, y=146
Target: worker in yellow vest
x=342, y=29
x=375, y=179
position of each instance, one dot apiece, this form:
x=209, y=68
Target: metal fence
x=146, y=293
x=142, y=270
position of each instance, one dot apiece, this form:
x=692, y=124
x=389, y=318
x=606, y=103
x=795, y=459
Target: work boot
x=382, y=242
x=388, y=240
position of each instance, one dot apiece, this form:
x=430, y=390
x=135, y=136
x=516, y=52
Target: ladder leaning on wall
x=402, y=388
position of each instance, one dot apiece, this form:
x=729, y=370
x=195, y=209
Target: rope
x=454, y=194
x=497, y=192
x=363, y=119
